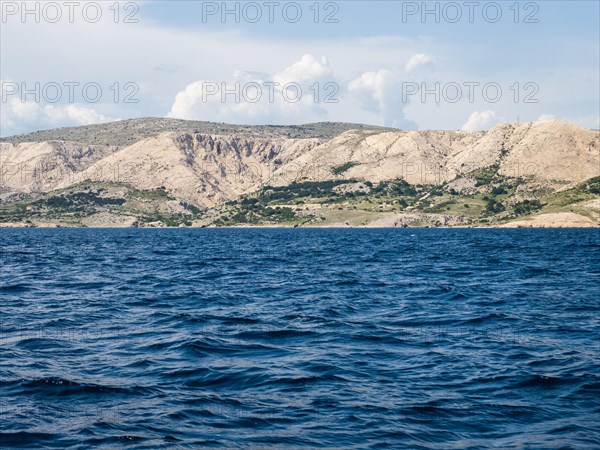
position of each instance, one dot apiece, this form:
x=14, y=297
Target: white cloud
x=166, y=70
x=381, y=92
x=547, y=117
x=378, y=92
x=371, y=88
x=480, y=120
x=169, y=57
x=416, y=61
x=288, y=96
x=19, y=117
x=73, y=114
x=22, y=110
x=307, y=70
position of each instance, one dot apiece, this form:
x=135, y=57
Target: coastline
x=7, y=226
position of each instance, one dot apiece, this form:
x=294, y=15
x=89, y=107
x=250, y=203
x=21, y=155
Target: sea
x=300, y=338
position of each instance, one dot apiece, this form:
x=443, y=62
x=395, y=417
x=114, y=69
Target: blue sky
x=374, y=61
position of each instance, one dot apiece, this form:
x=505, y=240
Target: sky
x=448, y=65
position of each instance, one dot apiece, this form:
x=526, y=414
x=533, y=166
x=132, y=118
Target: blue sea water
x=266, y=338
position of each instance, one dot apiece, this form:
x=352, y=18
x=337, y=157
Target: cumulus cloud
x=308, y=69
x=380, y=92
x=18, y=116
x=416, y=61
x=73, y=114
x=26, y=111
x=298, y=93
x=480, y=120
x=166, y=65
x=371, y=88
x=377, y=91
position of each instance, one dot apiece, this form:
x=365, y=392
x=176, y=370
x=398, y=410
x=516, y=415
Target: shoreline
x=4, y=226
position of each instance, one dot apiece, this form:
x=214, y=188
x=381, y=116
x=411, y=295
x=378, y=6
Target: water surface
x=257, y=338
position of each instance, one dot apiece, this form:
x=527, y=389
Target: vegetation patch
x=77, y=201
x=338, y=170
x=74, y=204
x=160, y=193
x=394, y=188
x=304, y=190
x=494, y=206
x=592, y=186
x=485, y=175
x=527, y=207
x=250, y=211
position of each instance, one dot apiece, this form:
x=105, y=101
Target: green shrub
x=593, y=185
x=485, y=175
x=527, y=207
x=338, y=170
x=494, y=207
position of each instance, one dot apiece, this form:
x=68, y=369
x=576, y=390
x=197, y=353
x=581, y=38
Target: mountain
x=166, y=171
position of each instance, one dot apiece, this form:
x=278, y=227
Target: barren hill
x=43, y=166
x=207, y=165
x=202, y=169
x=548, y=150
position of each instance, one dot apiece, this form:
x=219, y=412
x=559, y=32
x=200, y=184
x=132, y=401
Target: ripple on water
x=299, y=338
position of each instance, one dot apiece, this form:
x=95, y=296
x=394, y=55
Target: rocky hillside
x=205, y=172
x=551, y=151
x=127, y=132
x=43, y=166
